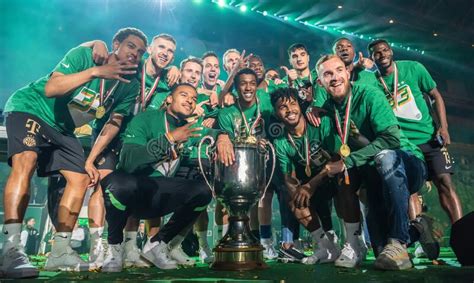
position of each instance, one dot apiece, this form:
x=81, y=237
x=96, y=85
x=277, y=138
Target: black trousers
x=149, y=197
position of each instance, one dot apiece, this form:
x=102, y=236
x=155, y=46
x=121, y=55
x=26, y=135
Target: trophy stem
x=238, y=250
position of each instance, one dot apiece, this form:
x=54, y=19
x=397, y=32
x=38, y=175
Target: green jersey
x=412, y=111
x=295, y=153
x=156, y=89
x=372, y=117
x=79, y=107
x=146, y=150
x=300, y=82
x=358, y=76
x=234, y=123
x=204, y=95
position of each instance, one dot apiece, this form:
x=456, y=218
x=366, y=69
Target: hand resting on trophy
x=225, y=150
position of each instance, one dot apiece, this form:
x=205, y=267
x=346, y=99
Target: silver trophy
x=239, y=187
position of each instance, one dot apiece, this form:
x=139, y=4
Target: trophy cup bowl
x=239, y=187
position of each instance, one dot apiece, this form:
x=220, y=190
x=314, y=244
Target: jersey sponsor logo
x=406, y=105
x=65, y=65
x=314, y=154
x=32, y=126
x=257, y=131
x=29, y=141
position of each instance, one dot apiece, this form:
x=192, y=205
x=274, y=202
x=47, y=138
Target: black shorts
x=109, y=157
x=56, y=151
x=437, y=159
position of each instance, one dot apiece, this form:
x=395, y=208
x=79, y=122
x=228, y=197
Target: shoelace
x=348, y=251
x=392, y=250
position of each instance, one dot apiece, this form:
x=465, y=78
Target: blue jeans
x=401, y=174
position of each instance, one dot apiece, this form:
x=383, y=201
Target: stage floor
x=447, y=269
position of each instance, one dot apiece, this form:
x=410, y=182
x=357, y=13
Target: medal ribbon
x=103, y=99
x=144, y=95
x=393, y=94
x=344, y=136
x=174, y=155
x=249, y=129
x=305, y=145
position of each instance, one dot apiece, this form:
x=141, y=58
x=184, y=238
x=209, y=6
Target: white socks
x=353, y=233
x=62, y=241
x=96, y=236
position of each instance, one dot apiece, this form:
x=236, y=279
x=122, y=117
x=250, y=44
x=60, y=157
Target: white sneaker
x=131, y=256
x=96, y=255
x=113, y=259
x=67, y=261
x=177, y=254
x=206, y=255
x=269, y=251
x=349, y=257
x=17, y=265
x=157, y=253
x=325, y=250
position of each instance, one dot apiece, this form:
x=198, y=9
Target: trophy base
x=238, y=259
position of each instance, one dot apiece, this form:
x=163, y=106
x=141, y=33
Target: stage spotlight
x=265, y=13
x=243, y=8
x=221, y=3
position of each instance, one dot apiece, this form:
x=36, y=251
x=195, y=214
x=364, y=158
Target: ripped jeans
x=402, y=174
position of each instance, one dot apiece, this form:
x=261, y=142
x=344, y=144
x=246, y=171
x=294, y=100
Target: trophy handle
x=269, y=144
x=211, y=143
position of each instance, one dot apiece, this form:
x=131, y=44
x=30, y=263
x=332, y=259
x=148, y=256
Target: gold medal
x=344, y=150
x=100, y=112
x=307, y=170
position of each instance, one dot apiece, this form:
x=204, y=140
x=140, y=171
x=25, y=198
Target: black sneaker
x=292, y=253
x=430, y=245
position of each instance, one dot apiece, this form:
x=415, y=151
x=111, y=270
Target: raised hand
x=100, y=53
x=199, y=110
x=228, y=99
x=313, y=114
x=364, y=63
x=173, y=75
x=115, y=70
x=183, y=133
x=291, y=73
